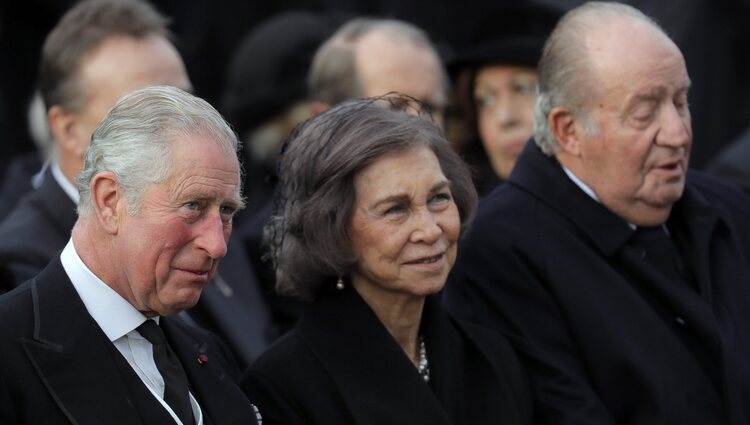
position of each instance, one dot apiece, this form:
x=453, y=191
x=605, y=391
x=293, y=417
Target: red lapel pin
x=202, y=359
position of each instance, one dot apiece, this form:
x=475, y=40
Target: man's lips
x=197, y=272
x=675, y=165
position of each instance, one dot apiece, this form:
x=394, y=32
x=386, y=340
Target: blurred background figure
x=98, y=52
x=265, y=94
x=264, y=98
x=371, y=57
x=25, y=171
x=495, y=85
x=372, y=203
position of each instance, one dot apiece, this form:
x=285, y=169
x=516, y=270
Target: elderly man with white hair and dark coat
x=89, y=340
x=623, y=278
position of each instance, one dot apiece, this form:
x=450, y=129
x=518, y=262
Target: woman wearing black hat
x=496, y=82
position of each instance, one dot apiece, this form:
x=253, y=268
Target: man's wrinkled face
x=637, y=161
x=172, y=247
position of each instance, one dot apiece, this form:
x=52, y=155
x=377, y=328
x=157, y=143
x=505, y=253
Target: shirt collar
x=65, y=184
x=586, y=189
x=114, y=315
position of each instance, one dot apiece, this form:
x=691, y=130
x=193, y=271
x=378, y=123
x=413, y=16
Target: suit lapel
x=70, y=353
x=374, y=377
x=217, y=393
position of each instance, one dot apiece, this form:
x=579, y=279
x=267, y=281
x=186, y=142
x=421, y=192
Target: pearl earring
x=340, y=284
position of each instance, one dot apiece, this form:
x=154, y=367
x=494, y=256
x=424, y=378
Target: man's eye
x=227, y=213
x=191, y=205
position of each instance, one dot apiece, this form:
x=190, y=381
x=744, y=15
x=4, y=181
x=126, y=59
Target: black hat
x=512, y=34
x=269, y=69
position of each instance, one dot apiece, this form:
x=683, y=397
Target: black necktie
x=175, y=380
x=659, y=250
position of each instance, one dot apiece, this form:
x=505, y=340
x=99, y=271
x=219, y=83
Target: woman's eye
x=441, y=197
x=395, y=209
x=483, y=101
x=526, y=88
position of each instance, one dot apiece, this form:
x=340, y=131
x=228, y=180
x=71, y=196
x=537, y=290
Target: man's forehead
x=626, y=38
x=634, y=56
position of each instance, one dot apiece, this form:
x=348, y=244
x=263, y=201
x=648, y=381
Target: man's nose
x=213, y=236
x=675, y=131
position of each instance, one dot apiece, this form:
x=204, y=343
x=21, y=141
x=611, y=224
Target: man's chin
x=183, y=302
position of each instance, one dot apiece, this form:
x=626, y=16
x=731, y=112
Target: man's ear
x=61, y=124
x=566, y=130
x=107, y=201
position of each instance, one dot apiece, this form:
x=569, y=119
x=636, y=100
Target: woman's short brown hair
x=309, y=230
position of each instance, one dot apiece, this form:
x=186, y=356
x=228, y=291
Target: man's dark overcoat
x=606, y=337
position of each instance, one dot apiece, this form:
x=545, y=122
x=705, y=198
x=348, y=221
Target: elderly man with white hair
x=623, y=278
x=89, y=340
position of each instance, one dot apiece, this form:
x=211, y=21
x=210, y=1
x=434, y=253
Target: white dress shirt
x=64, y=183
x=119, y=320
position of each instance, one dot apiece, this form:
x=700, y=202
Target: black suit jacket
x=606, y=337
x=34, y=232
x=340, y=365
x=59, y=367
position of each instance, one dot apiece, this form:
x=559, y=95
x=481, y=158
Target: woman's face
x=405, y=225
x=504, y=96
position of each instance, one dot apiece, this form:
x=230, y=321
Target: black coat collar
x=373, y=375
x=378, y=382
x=544, y=178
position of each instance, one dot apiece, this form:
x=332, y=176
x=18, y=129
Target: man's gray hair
x=134, y=140
x=333, y=75
x=565, y=73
